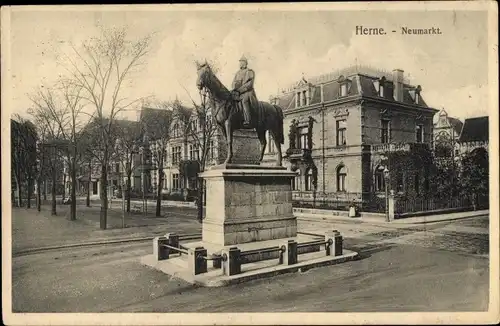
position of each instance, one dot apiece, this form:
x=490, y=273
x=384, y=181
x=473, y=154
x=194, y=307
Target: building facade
x=346, y=128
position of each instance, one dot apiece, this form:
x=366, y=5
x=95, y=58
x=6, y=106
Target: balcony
x=298, y=154
x=397, y=147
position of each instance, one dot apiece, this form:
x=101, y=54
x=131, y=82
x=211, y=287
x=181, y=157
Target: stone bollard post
x=335, y=248
x=173, y=239
x=196, y=263
x=290, y=254
x=159, y=251
x=392, y=205
x=232, y=264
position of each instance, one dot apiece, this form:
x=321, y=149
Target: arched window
x=341, y=176
x=296, y=182
x=379, y=179
x=309, y=180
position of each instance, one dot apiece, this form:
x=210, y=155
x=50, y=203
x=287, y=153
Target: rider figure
x=243, y=90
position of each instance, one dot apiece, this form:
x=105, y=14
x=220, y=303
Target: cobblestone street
x=432, y=267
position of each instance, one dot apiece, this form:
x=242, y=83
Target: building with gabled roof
x=474, y=135
x=346, y=125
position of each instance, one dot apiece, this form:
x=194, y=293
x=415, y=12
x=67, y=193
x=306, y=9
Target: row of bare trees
x=77, y=120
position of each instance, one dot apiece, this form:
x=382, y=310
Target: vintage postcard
x=279, y=163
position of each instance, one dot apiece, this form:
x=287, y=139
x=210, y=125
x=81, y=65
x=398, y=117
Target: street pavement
x=437, y=267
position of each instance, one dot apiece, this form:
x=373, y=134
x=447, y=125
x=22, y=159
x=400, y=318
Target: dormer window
x=344, y=86
x=381, y=87
x=417, y=94
x=302, y=93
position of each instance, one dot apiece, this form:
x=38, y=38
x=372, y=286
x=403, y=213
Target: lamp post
x=38, y=168
x=386, y=179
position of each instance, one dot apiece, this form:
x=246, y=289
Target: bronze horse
x=230, y=118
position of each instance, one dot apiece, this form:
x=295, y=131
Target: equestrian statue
x=240, y=109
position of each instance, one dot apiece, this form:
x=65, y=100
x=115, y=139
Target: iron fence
x=326, y=200
x=416, y=204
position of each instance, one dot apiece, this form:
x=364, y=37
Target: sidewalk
x=440, y=217
x=398, y=222
x=32, y=229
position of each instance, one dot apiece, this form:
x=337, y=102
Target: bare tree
x=101, y=67
x=156, y=125
x=23, y=142
x=128, y=135
x=200, y=131
x=45, y=107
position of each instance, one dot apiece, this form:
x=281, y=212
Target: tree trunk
x=45, y=189
x=200, y=199
x=158, y=191
x=88, y=185
x=38, y=195
x=72, y=215
x=64, y=187
x=30, y=192
x=129, y=185
x=54, y=206
x=19, y=199
x=104, y=194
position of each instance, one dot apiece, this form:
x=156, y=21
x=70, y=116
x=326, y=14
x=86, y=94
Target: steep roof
x=456, y=124
x=362, y=82
x=474, y=129
x=155, y=122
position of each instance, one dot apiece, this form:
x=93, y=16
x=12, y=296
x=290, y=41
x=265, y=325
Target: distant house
x=445, y=134
x=474, y=135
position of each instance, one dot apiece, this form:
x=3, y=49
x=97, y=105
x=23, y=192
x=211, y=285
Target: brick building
x=350, y=126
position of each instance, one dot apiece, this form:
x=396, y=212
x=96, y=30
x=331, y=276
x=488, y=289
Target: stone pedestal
x=248, y=203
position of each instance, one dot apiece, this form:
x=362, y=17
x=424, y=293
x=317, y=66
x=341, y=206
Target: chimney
x=397, y=79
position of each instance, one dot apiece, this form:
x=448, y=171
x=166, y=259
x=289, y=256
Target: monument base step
x=177, y=266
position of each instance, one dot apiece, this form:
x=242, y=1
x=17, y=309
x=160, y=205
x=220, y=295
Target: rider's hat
x=243, y=58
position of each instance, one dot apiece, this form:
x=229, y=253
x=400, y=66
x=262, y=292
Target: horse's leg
x=229, y=138
x=263, y=142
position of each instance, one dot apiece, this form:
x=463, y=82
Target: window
x=193, y=125
x=270, y=143
x=302, y=138
x=176, y=154
x=309, y=181
x=298, y=102
x=304, y=98
x=175, y=181
x=341, y=175
x=343, y=89
x=194, y=152
x=379, y=179
x=341, y=132
x=420, y=133
x=399, y=183
x=385, y=132
x=176, y=130
x=210, y=150
x=117, y=167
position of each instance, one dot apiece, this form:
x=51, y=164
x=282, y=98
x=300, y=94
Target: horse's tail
x=280, y=134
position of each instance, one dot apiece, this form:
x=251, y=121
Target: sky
x=281, y=47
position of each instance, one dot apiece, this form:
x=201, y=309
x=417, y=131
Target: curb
x=96, y=243
x=402, y=221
